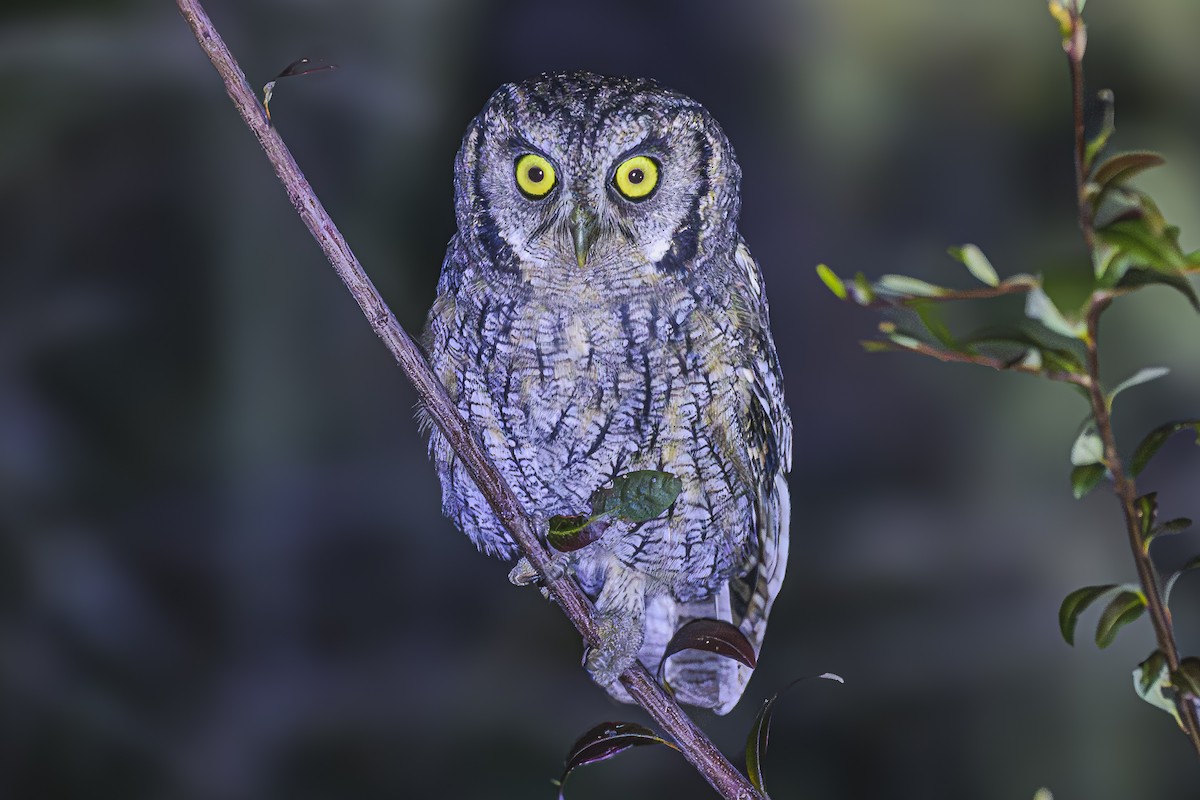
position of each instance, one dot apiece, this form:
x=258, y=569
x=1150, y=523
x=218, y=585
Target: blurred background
x=223, y=568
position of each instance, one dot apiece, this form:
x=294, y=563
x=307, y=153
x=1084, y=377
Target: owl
x=599, y=313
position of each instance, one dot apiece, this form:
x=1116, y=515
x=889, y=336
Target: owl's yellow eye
x=535, y=175
x=637, y=177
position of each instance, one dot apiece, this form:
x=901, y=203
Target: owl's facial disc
x=618, y=178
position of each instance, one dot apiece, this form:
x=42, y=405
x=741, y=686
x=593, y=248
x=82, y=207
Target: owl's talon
x=620, y=639
x=524, y=574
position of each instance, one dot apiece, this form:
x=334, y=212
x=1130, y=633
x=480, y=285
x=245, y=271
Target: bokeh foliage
x=225, y=569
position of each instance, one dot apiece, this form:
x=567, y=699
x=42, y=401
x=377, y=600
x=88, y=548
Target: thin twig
x=693, y=743
x=1126, y=491
x=1124, y=486
x=1074, y=45
x=1010, y=286
x=991, y=362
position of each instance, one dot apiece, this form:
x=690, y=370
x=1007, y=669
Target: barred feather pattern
x=655, y=354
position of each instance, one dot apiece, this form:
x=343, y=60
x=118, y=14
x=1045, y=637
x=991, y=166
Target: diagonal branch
x=695, y=746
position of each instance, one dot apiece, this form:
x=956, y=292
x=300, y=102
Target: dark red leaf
x=605, y=741
x=573, y=532
x=301, y=66
x=1124, y=166
x=713, y=636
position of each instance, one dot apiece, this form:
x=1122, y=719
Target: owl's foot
x=523, y=574
x=620, y=640
x=620, y=622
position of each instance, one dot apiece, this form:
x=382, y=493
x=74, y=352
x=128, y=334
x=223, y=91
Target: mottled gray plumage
x=585, y=334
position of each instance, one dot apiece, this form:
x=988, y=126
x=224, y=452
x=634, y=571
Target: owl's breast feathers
x=566, y=390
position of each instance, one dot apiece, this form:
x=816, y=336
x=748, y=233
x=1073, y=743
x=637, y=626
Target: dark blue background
x=223, y=569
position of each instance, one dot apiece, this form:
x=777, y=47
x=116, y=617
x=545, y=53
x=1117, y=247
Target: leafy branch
x=1130, y=246
x=690, y=740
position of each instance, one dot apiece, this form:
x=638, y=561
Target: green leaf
x=902, y=340
x=756, y=744
x=756, y=741
x=1151, y=680
x=1168, y=528
x=570, y=533
x=1187, y=678
x=1131, y=232
x=832, y=281
x=637, y=496
x=1085, y=477
x=906, y=286
x=977, y=263
x=1132, y=237
x=1135, y=277
x=1146, y=509
x=1190, y=565
x=905, y=341
x=604, y=741
x=1088, y=448
x=1124, y=167
x=1145, y=244
x=1074, y=604
x=1155, y=439
x=1121, y=610
x=712, y=636
x=1053, y=356
x=1149, y=671
x=1144, y=375
x=1039, y=306
x=930, y=316
x=863, y=293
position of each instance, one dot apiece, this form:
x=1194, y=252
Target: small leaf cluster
x=1131, y=246
x=610, y=739
x=638, y=497
x=1134, y=247
x=635, y=497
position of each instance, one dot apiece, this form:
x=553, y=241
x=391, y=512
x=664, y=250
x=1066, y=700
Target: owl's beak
x=584, y=230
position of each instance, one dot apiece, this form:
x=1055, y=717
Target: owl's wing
x=767, y=427
x=701, y=678
x=454, y=356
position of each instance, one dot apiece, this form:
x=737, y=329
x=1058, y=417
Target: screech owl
x=598, y=313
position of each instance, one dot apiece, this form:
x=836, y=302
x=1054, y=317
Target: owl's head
x=568, y=176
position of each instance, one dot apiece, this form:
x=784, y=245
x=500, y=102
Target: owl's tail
x=704, y=679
